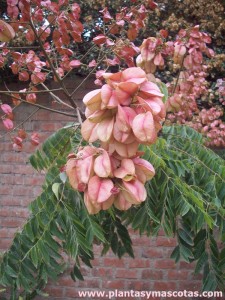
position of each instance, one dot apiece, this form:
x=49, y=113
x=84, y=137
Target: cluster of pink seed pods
x=126, y=112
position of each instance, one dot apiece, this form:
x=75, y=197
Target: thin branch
x=30, y=92
x=27, y=23
x=79, y=116
x=50, y=23
x=24, y=47
x=43, y=107
x=56, y=98
x=178, y=76
x=20, y=124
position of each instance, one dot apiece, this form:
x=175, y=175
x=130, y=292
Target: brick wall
x=19, y=184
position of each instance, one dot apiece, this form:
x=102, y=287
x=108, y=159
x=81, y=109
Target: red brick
x=13, y=157
x=5, y=190
x=161, y=232
x=22, y=190
x=42, y=115
x=11, y=222
x=164, y=264
x=165, y=286
x=139, y=263
x=113, y=262
x=24, y=169
x=166, y=242
x=10, y=200
x=7, y=233
x=73, y=293
x=185, y=265
x=7, y=212
x=58, y=117
x=127, y=297
x=36, y=180
x=143, y=241
x=102, y=272
x=153, y=253
x=126, y=274
x=137, y=251
x=136, y=285
x=27, y=200
x=45, y=126
x=147, y=285
x=152, y=274
x=65, y=281
x=178, y=275
x=92, y=283
x=6, y=169
x=114, y=284
x=191, y=286
x=7, y=146
x=96, y=262
x=36, y=191
x=55, y=291
x=5, y=243
x=18, y=179
x=7, y=179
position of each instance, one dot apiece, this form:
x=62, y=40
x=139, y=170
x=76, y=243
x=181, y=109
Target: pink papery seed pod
x=85, y=164
x=131, y=75
x=125, y=91
x=108, y=203
x=99, y=189
x=134, y=191
x=179, y=53
x=91, y=208
x=140, y=62
x=126, y=171
x=149, y=89
x=121, y=203
x=108, y=96
x=81, y=168
x=134, y=74
x=123, y=137
x=105, y=129
x=188, y=62
x=144, y=128
x=148, y=48
x=71, y=172
x=93, y=100
x=98, y=115
x=96, y=207
x=7, y=33
x=143, y=169
x=89, y=131
x=158, y=60
x=124, y=118
x=174, y=103
x=102, y=164
x=123, y=150
x=148, y=66
x=149, y=105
